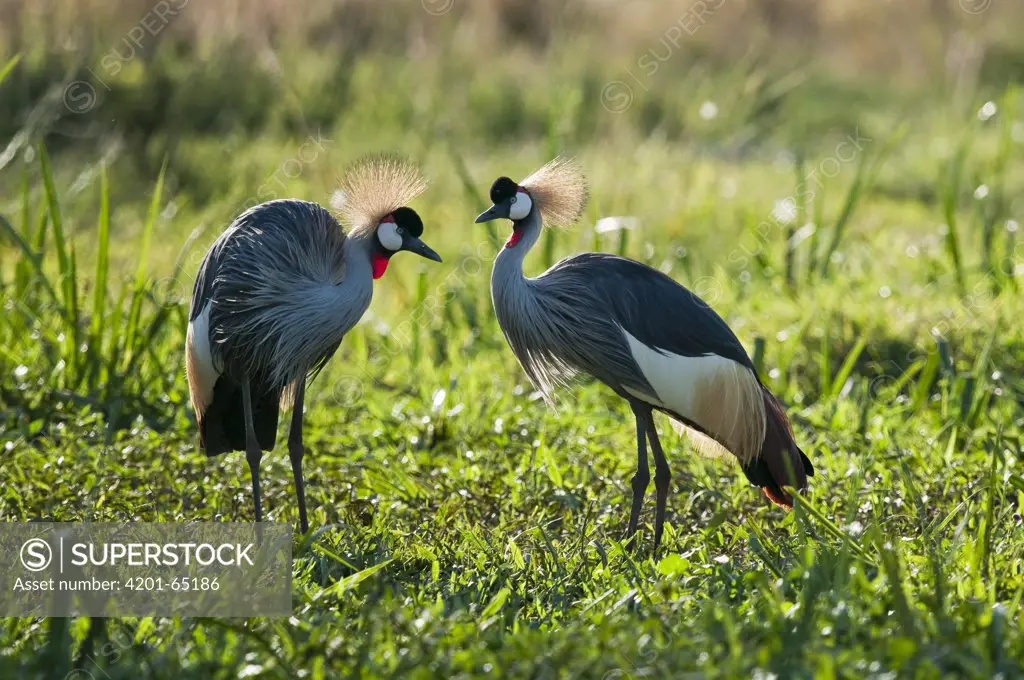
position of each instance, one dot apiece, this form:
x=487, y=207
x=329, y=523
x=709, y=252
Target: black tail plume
x=222, y=427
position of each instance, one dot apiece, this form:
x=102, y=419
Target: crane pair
x=279, y=289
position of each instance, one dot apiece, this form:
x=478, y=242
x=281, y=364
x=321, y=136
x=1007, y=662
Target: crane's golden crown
x=560, y=191
x=376, y=186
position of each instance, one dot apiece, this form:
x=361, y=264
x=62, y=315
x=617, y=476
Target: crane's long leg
x=643, y=474
x=296, y=451
x=253, y=454
x=662, y=478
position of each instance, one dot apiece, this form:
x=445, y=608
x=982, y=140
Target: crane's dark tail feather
x=781, y=462
x=222, y=427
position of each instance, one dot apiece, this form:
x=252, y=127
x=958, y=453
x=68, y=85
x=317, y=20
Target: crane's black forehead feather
x=409, y=220
x=502, y=189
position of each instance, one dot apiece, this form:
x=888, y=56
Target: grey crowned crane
x=273, y=299
x=652, y=341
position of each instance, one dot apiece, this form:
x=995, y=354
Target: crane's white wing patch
x=718, y=394
x=199, y=366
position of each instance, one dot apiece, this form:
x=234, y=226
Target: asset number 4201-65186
x=182, y=584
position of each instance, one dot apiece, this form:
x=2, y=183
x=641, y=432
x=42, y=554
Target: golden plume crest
x=375, y=186
x=560, y=191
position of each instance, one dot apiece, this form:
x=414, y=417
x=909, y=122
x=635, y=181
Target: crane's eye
x=400, y=230
x=513, y=200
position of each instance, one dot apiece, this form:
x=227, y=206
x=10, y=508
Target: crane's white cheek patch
x=387, y=232
x=199, y=366
x=718, y=394
x=521, y=208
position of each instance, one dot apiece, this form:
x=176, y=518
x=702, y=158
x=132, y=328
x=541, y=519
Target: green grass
x=461, y=527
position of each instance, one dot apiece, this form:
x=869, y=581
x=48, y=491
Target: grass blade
x=996, y=207
x=417, y=332
x=131, y=331
x=801, y=220
x=65, y=264
x=34, y=259
x=825, y=363
x=99, y=298
x=23, y=267
x=847, y=368
x=925, y=381
x=8, y=67
x=950, y=205
x=891, y=565
x=983, y=550
x=352, y=580
x=830, y=527
x=853, y=196
x=812, y=244
x=114, y=345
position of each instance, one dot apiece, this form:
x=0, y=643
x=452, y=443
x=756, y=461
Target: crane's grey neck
x=514, y=295
x=528, y=312
x=358, y=265
x=509, y=262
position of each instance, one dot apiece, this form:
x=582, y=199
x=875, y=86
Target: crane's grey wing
x=578, y=318
x=655, y=309
x=650, y=338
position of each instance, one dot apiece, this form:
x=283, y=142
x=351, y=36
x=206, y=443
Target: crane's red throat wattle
x=517, y=234
x=380, y=265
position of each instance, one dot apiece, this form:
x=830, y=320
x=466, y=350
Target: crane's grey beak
x=492, y=213
x=415, y=245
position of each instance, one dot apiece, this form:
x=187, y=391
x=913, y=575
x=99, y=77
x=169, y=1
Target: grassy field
x=860, y=234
